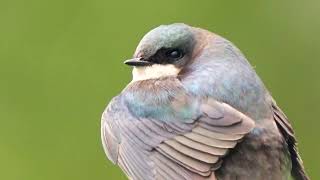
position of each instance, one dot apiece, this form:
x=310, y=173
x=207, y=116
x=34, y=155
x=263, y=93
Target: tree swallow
x=195, y=110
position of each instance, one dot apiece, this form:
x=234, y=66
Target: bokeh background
x=61, y=62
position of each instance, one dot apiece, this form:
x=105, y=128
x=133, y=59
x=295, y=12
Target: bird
x=195, y=109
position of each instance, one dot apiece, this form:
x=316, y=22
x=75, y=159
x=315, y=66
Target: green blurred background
x=61, y=62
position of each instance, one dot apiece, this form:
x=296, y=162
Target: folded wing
x=152, y=149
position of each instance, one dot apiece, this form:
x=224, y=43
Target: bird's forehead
x=165, y=36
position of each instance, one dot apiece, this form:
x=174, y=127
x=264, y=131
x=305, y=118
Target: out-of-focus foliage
x=61, y=62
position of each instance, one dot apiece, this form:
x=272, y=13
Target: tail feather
x=297, y=171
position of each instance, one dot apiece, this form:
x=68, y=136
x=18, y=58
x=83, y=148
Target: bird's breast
x=163, y=99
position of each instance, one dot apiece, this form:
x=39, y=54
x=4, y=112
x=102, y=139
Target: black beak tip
x=136, y=62
x=128, y=62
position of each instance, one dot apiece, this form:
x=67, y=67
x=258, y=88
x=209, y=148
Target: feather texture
x=184, y=123
x=153, y=149
x=297, y=171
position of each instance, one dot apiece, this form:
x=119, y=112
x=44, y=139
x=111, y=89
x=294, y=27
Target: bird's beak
x=137, y=62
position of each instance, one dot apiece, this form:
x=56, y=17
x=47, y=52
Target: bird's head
x=164, y=51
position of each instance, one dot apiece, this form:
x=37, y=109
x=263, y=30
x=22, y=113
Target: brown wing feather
x=297, y=171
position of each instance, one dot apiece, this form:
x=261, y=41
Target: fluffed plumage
x=206, y=115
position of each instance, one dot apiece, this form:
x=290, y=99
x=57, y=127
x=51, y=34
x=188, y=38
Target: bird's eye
x=174, y=54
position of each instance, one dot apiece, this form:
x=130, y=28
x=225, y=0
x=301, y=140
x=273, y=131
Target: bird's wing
x=152, y=149
x=201, y=150
x=297, y=171
x=110, y=134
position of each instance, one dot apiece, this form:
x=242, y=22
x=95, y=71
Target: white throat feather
x=153, y=72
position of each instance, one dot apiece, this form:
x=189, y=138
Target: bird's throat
x=153, y=72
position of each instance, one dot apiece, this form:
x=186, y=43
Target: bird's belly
x=257, y=158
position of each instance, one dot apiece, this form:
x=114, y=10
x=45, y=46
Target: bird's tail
x=297, y=171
